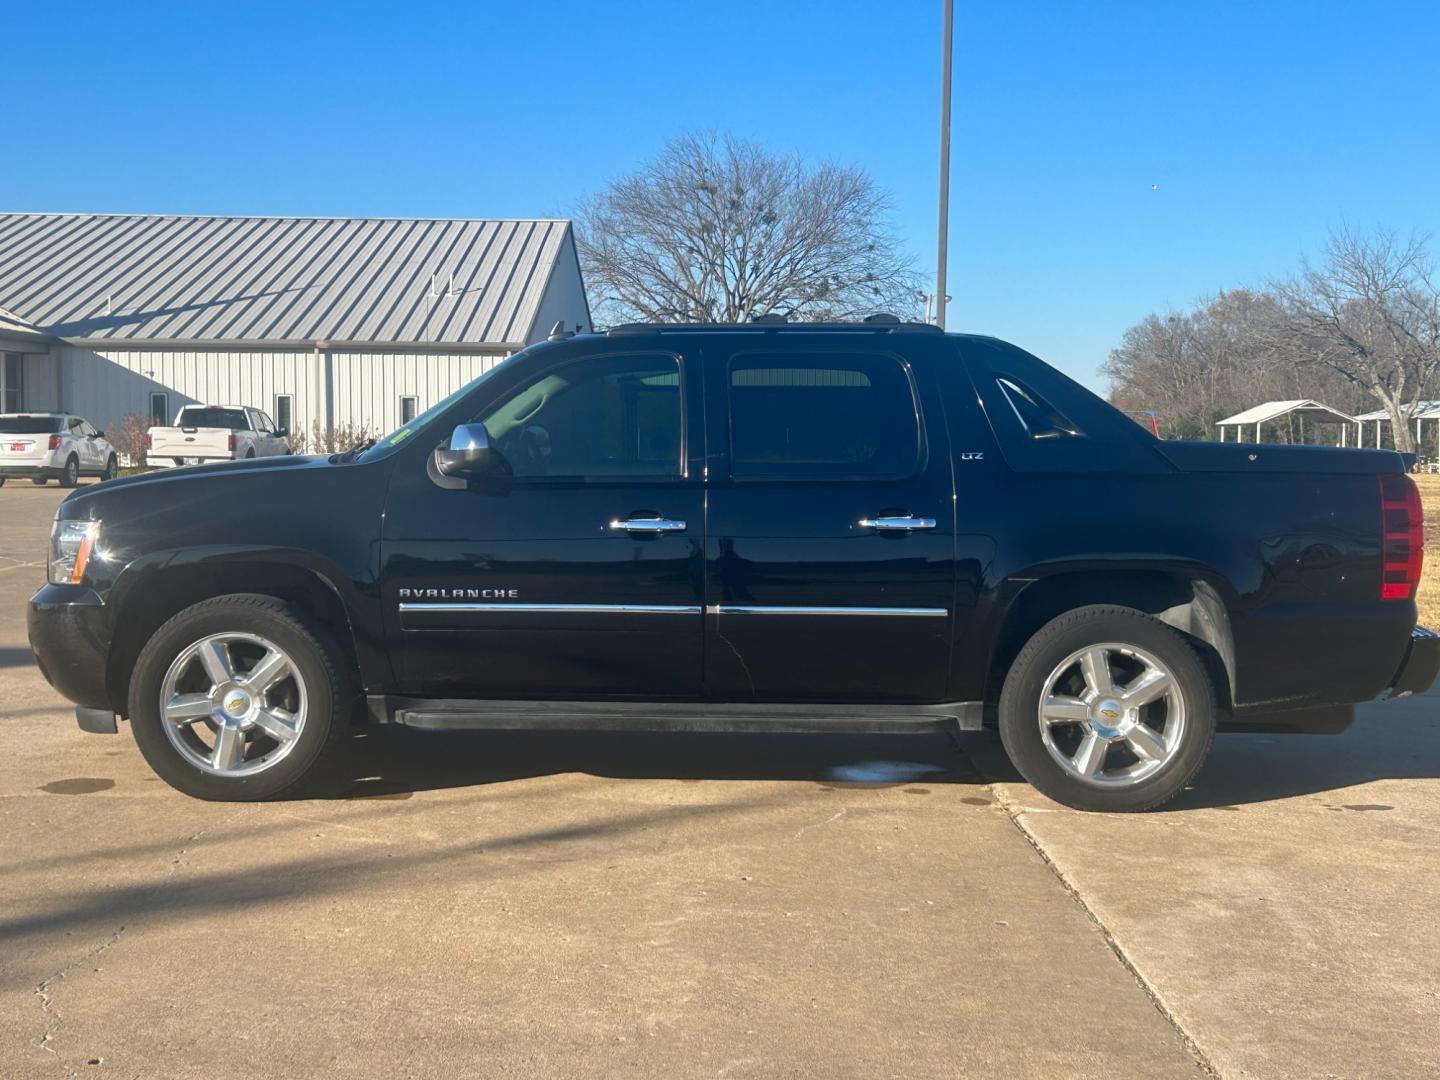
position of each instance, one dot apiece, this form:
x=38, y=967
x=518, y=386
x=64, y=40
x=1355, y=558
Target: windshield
x=390, y=443
x=29, y=425
x=234, y=419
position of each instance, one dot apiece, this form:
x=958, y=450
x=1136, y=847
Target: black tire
x=2, y=480
x=71, y=476
x=249, y=453
x=112, y=469
x=1020, y=701
x=39, y=481
x=329, y=681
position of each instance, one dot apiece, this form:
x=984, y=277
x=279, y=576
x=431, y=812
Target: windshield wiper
x=356, y=450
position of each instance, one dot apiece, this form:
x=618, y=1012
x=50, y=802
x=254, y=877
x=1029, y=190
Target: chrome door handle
x=897, y=523
x=655, y=524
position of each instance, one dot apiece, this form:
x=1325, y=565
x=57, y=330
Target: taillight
x=54, y=442
x=1404, y=542
x=149, y=441
x=232, y=442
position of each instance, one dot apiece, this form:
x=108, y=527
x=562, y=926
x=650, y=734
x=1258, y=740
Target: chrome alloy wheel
x=233, y=704
x=1112, y=715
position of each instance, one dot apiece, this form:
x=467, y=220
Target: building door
x=583, y=580
x=830, y=539
x=12, y=382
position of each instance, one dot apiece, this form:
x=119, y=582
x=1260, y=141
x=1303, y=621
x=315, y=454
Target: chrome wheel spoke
x=273, y=667
x=229, y=747
x=1147, y=743
x=1090, y=758
x=1095, y=665
x=215, y=699
x=1124, y=683
x=215, y=658
x=276, y=723
x=1152, y=685
x=184, y=709
x=1062, y=709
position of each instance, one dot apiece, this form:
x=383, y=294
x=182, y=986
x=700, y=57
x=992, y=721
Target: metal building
x=328, y=321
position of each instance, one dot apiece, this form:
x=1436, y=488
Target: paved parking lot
x=677, y=906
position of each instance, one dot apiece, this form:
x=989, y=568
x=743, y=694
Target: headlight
x=70, y=545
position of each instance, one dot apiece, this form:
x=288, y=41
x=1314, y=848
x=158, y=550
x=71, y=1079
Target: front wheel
x=112, y=469
x=236, y=699
x=1107, y=708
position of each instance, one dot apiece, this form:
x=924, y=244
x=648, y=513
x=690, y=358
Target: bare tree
x=718, y=229
x=1370, y=310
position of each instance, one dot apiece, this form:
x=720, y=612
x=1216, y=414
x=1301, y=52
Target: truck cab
x=840, y=527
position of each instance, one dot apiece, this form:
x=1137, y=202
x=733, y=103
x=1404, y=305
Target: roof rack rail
x=872, y=325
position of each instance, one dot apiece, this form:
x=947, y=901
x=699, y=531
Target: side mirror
x=282, y=433
x=470, y=455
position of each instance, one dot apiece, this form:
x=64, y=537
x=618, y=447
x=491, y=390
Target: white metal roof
x=12, y=324
x=1273, y=410
x=132, y=277
x=1427, y=410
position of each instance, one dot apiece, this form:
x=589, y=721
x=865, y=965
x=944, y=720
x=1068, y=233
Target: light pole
x=940, y=297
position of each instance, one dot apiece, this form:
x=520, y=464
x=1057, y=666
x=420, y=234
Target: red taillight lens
x=149, y=441
x=54, y=442
x=1404, y=527
x=232, y=442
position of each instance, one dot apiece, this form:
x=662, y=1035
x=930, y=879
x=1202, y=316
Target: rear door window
x=822, y=416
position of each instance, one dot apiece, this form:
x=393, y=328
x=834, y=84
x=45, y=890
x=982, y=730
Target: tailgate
x=23, y=450
x=190, y=442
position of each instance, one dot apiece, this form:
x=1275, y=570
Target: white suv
x=58, y=446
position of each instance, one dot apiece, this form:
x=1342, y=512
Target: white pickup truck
x=206, y=433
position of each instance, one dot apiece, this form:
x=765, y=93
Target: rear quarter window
x=1045, y=421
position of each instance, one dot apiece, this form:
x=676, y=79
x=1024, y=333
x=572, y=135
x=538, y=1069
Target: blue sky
x=1261, y=125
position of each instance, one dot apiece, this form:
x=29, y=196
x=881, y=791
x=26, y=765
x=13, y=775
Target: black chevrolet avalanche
x=852, y=527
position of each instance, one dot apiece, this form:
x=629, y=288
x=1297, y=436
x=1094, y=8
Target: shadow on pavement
x=1392, y=741
x=390, y=761
x=1398, y=740
x=11, y=656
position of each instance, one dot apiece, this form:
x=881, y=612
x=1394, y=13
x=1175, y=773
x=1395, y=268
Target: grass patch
x=1429, y=598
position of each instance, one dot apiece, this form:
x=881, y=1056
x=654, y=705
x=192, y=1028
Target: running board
x=437, y=714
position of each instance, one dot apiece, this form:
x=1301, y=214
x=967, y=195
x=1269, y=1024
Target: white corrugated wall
x=365, y=388
x=369, y=386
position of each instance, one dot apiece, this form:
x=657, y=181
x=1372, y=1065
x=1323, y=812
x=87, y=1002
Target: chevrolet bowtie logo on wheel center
x=236, y=703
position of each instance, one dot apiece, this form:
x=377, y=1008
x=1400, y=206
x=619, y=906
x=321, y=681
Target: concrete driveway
x=678, y=906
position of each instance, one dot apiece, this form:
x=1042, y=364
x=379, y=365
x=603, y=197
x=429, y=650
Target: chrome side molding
x=787, y=609
x=542, y=609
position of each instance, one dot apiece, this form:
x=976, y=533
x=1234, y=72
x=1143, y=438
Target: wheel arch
x=1191, y=602
x=166, y=591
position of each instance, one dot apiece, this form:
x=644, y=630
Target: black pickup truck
x=854, y=527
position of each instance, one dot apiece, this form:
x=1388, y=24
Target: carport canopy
x=1314, y=411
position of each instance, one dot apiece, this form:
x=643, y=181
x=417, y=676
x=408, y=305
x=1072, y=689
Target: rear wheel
x=236, y=699
x=71, y=476
x=38, y=481
x=1107, y=708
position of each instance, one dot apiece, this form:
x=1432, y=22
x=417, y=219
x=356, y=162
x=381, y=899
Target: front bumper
x=71, y=642
x=1421, y=664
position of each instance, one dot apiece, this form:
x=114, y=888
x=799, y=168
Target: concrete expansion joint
x=1017, y=813
x=48, y=1012
x=42, y=991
